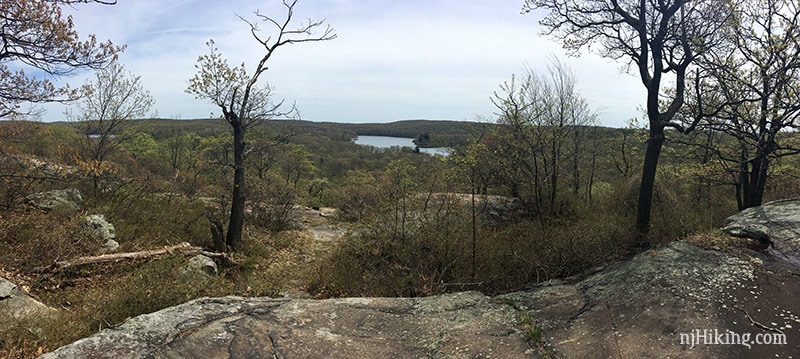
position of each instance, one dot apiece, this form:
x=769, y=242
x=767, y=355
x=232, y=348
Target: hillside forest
x=539, y=191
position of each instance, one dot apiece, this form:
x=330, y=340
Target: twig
x=753, y=322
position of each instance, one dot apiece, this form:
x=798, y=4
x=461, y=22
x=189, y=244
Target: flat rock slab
x=639, y=308
x=669, y=302
x=460, y=325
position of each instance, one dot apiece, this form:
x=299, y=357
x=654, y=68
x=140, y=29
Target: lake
x=388, y=141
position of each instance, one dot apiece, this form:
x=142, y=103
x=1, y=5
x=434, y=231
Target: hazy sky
x=392, y=60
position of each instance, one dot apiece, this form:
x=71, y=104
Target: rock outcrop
x=15, y=304
x=200, y=265
x=641, y=308
x=777, y=222
x=102, y=231
x=679, y=301
x=69, y=199
x=461, y=325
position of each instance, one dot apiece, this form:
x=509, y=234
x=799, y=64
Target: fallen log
x=183, y=249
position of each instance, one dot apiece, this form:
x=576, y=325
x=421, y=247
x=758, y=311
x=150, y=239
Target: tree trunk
x=761, y=182
x=645, y=203
x=576, y=175
x=755, y=181
x=474, y=225
x=236, y=222
x=555, y=154
x=590, y=185
x=216, y=235
x=743, y=184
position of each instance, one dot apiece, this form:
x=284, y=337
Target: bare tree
x=658, y=37
x=240, y=98
x=108, y=105
x=542, y=114
x=34, y=34
x=750, y=90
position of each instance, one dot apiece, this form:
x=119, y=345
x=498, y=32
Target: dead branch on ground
x=182, y=249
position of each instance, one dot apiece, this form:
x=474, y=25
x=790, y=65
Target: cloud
x=392, y=59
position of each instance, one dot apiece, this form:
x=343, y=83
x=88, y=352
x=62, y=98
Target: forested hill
x=427, y=133
x=432, y=133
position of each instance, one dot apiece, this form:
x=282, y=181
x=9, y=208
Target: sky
x=392, y=60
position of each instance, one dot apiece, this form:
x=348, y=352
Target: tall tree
x=35, y=35
x=750, y=90
x=242, y=100
x=658, y=37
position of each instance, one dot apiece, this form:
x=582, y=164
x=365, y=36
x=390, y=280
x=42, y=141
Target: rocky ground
x=704, y=297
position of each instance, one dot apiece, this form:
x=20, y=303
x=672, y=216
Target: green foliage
x=434, y=257
x=533, y=332
x=140, y=144
x=295, y=163
x=215, y=80
x=358, y=196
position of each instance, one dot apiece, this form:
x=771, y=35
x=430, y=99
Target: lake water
x=387, y=141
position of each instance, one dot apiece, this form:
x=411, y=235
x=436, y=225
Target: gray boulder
x=68, y=198
x=99, y=229
x=110, y=246
x=15, y=304
x=200, y=264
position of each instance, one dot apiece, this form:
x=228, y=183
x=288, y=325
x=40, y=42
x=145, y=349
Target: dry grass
x=94, y=297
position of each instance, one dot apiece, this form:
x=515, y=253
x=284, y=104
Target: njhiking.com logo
x=727, y=337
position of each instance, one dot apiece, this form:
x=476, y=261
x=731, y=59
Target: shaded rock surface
x=449, y=326
x=639, y=308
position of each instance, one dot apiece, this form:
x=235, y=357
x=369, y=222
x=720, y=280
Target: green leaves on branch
x=215, y=80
